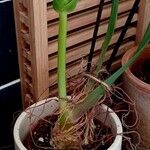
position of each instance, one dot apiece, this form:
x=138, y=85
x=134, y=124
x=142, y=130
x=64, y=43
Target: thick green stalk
x=63, y=7
x=62, y=59
x=109, y=34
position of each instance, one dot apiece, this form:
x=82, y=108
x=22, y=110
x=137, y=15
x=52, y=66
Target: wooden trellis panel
x=31, y=25
x=143, y=18
x=37, y=27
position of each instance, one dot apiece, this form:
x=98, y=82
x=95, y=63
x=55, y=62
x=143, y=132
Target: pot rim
x=139, y=83
x=118, y=125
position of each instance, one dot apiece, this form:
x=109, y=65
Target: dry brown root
x=72, y=138
x=63, y=139
x=82, y=131
x=124, y=106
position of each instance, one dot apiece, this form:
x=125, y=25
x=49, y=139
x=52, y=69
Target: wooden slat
x=51, y=14
x=82, y=50
x=38, y=43
x=19, y=47
x=53, y=91
x=29, y=85
x=24, y=18
x=143, y=19
x=74, y=69
x=27, y=54
x=28, y=69
x=26, y=37
x=82, y=5
x=79, y=37
x=87, y=18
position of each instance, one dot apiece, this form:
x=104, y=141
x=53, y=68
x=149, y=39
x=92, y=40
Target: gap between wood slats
x=75, y=68
x=87, y=34
x=24, y=18
x=25, y=3
x=87, y=18
x=83, y=50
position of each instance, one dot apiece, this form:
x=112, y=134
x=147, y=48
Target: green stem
x=108, y=37
x=109, y=34
x=62, y=59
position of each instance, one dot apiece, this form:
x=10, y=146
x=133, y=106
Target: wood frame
x=143, y=19
x=36, y=39
x=31, y=29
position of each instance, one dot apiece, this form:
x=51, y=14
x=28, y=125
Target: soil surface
x=143, y=71
x=40, y=136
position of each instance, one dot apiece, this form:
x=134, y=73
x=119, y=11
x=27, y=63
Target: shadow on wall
x=10, y=97
x=10, y=108
x=8, y=49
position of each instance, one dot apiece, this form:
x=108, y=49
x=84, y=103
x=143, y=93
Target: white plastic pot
x=21, y=127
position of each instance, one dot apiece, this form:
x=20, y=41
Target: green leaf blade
x=109, y=34
x=140, y=49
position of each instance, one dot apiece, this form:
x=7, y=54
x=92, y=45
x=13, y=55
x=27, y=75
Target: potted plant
x=74, y=119
x=136, y=82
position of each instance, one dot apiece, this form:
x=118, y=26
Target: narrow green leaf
x=98, y=92
x=140, y=49
x=109, y=34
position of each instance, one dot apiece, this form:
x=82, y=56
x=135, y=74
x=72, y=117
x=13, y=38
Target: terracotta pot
x=21, y=127
x=139, y=91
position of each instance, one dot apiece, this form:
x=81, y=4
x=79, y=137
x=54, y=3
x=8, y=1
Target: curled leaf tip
x=64, y=5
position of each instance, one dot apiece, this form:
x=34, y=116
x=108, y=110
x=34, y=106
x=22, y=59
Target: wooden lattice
x=37, y=27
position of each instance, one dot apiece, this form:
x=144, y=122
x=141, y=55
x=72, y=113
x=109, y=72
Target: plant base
x=24, y=121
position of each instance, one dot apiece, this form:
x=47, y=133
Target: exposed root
x=81, y=131
x=127, y=137
x=131, y=109
x=98, y=80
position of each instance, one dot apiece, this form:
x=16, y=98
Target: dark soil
x=142, y=71
x=39, y=137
